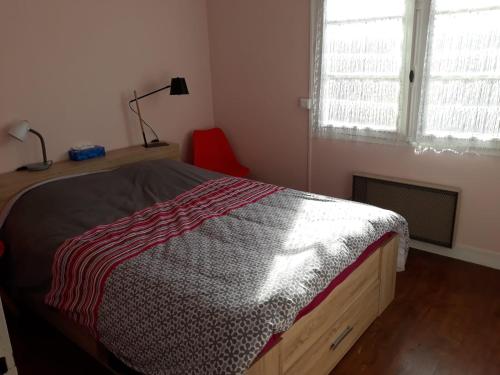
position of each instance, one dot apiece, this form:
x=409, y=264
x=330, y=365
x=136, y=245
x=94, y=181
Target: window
x=461, y=82
x=363, y=68
x=366, y=49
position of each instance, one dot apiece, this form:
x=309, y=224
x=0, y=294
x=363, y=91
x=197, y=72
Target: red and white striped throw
x=82, y=264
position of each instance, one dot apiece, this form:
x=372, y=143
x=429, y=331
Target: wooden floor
x=445, y=320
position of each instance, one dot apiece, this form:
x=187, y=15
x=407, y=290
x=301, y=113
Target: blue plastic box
x=86, y=153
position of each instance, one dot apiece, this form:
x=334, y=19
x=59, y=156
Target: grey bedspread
x=177, y=270
x=44, y=217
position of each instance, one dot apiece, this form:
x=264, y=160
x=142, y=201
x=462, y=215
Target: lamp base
x=155, y=144
x=35, y=167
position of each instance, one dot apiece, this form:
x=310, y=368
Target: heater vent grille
x=430, y=210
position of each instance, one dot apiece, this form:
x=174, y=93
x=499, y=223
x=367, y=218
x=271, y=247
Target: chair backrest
x=212, y=150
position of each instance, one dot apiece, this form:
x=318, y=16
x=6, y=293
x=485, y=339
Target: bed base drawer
x=311, y=327
x=323, y=356
x=318, y=341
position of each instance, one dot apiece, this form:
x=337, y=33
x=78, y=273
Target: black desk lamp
x=177, y=86
x=20, y=132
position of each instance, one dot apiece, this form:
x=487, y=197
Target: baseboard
x=482, y=257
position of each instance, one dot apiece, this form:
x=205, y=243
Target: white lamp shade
x=20, y=130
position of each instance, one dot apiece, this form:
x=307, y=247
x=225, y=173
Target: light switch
x=305, y=103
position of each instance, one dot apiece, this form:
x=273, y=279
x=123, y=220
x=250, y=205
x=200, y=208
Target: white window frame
x=418, y=50
x=399, y=136
x=422, y=20
x=418, y=17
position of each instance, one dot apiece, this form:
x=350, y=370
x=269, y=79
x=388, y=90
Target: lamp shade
x=20, y=130
x=178, y=86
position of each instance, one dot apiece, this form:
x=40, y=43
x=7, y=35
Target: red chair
x=212, y=151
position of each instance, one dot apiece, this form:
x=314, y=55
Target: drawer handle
x=341, y=338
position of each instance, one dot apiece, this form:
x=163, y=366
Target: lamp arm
x=150, y=93
x=144, y=96
x=44, y=152
x=143, y=121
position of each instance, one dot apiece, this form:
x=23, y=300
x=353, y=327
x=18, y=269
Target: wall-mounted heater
x=430, y=210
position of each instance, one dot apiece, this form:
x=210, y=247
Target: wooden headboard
x=14, y=182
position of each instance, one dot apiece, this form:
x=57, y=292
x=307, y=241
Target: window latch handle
x=412, y=75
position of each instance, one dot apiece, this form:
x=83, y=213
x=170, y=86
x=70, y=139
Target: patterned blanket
x=198, y=284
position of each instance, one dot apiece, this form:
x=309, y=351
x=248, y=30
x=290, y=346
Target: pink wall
x=69, y=67
x=260, y=67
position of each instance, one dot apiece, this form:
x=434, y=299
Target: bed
x=160, y=267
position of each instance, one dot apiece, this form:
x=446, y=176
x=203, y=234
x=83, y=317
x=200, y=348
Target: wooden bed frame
x=313, y=345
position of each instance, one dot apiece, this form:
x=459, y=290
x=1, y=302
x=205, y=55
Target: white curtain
x=359, y=69
x=460, y=100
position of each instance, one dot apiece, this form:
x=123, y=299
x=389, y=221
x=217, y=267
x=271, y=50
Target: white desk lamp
x=20, y=131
